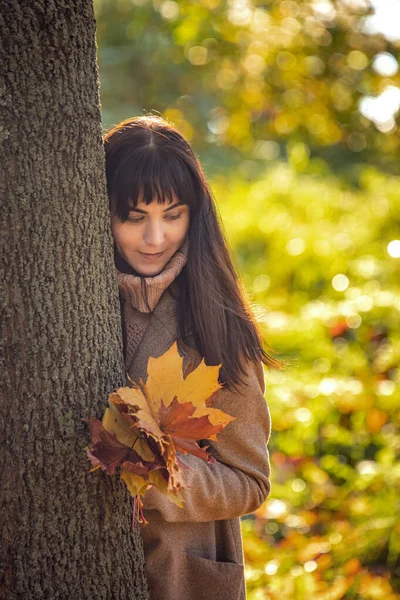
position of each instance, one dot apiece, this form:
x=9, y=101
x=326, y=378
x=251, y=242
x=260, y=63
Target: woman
x=177, y=282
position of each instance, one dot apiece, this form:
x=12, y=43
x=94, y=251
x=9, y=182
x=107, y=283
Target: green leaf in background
x=300, y=79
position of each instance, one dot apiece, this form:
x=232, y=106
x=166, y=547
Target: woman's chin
x=149, y=270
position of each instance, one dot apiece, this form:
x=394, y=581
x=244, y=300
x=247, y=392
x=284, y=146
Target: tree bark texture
x=65, y=532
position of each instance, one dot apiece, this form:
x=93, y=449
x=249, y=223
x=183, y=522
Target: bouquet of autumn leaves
x=145, y=426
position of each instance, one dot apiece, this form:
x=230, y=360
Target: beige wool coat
x=195, y=552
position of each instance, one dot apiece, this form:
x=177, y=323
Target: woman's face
x=151, y=235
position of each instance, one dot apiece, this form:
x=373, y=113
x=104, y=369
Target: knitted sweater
x=195, y=552
x=136, y=309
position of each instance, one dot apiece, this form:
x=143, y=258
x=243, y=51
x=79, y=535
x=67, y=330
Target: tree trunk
x=65, y=532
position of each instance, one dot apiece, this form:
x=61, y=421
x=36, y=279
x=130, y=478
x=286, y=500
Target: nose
x=154, y=233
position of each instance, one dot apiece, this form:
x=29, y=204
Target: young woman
x=177, y=282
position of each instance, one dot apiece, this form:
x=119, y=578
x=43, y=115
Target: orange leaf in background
x=376, y=419
x=376, y=587
x=352, y=566
x=337, y=589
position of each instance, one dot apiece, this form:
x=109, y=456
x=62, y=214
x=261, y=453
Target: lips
x=151, y=257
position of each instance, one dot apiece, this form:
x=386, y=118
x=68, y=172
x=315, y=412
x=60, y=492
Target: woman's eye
x=173, y=217
x=135, y=219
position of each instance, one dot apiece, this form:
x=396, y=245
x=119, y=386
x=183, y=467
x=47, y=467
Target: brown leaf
x=105, y=450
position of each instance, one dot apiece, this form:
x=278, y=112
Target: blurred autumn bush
x=320, y=259
x=252, y=76
x=293, y=109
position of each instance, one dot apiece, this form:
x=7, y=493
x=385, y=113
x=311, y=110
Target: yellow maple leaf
x=165, y=382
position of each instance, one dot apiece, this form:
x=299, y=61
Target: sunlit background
x=293, y=108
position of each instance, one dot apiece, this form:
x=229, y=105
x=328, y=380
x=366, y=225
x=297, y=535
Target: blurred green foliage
x=253, y=76
x=322, y=261
x=276, y=96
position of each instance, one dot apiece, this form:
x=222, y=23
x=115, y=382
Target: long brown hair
x=147, y=157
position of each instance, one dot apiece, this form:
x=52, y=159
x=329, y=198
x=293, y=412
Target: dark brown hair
x=147, y=157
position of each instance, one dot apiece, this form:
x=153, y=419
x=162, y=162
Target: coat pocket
x=207, y=579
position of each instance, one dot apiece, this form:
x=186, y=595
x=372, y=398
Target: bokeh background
x=293, y=109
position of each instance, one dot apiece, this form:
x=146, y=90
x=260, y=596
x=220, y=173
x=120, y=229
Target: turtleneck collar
x=130, y=286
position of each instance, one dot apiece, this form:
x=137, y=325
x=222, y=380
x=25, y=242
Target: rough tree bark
x=65, y=532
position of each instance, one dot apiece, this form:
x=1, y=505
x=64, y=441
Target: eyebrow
x=144, y=212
